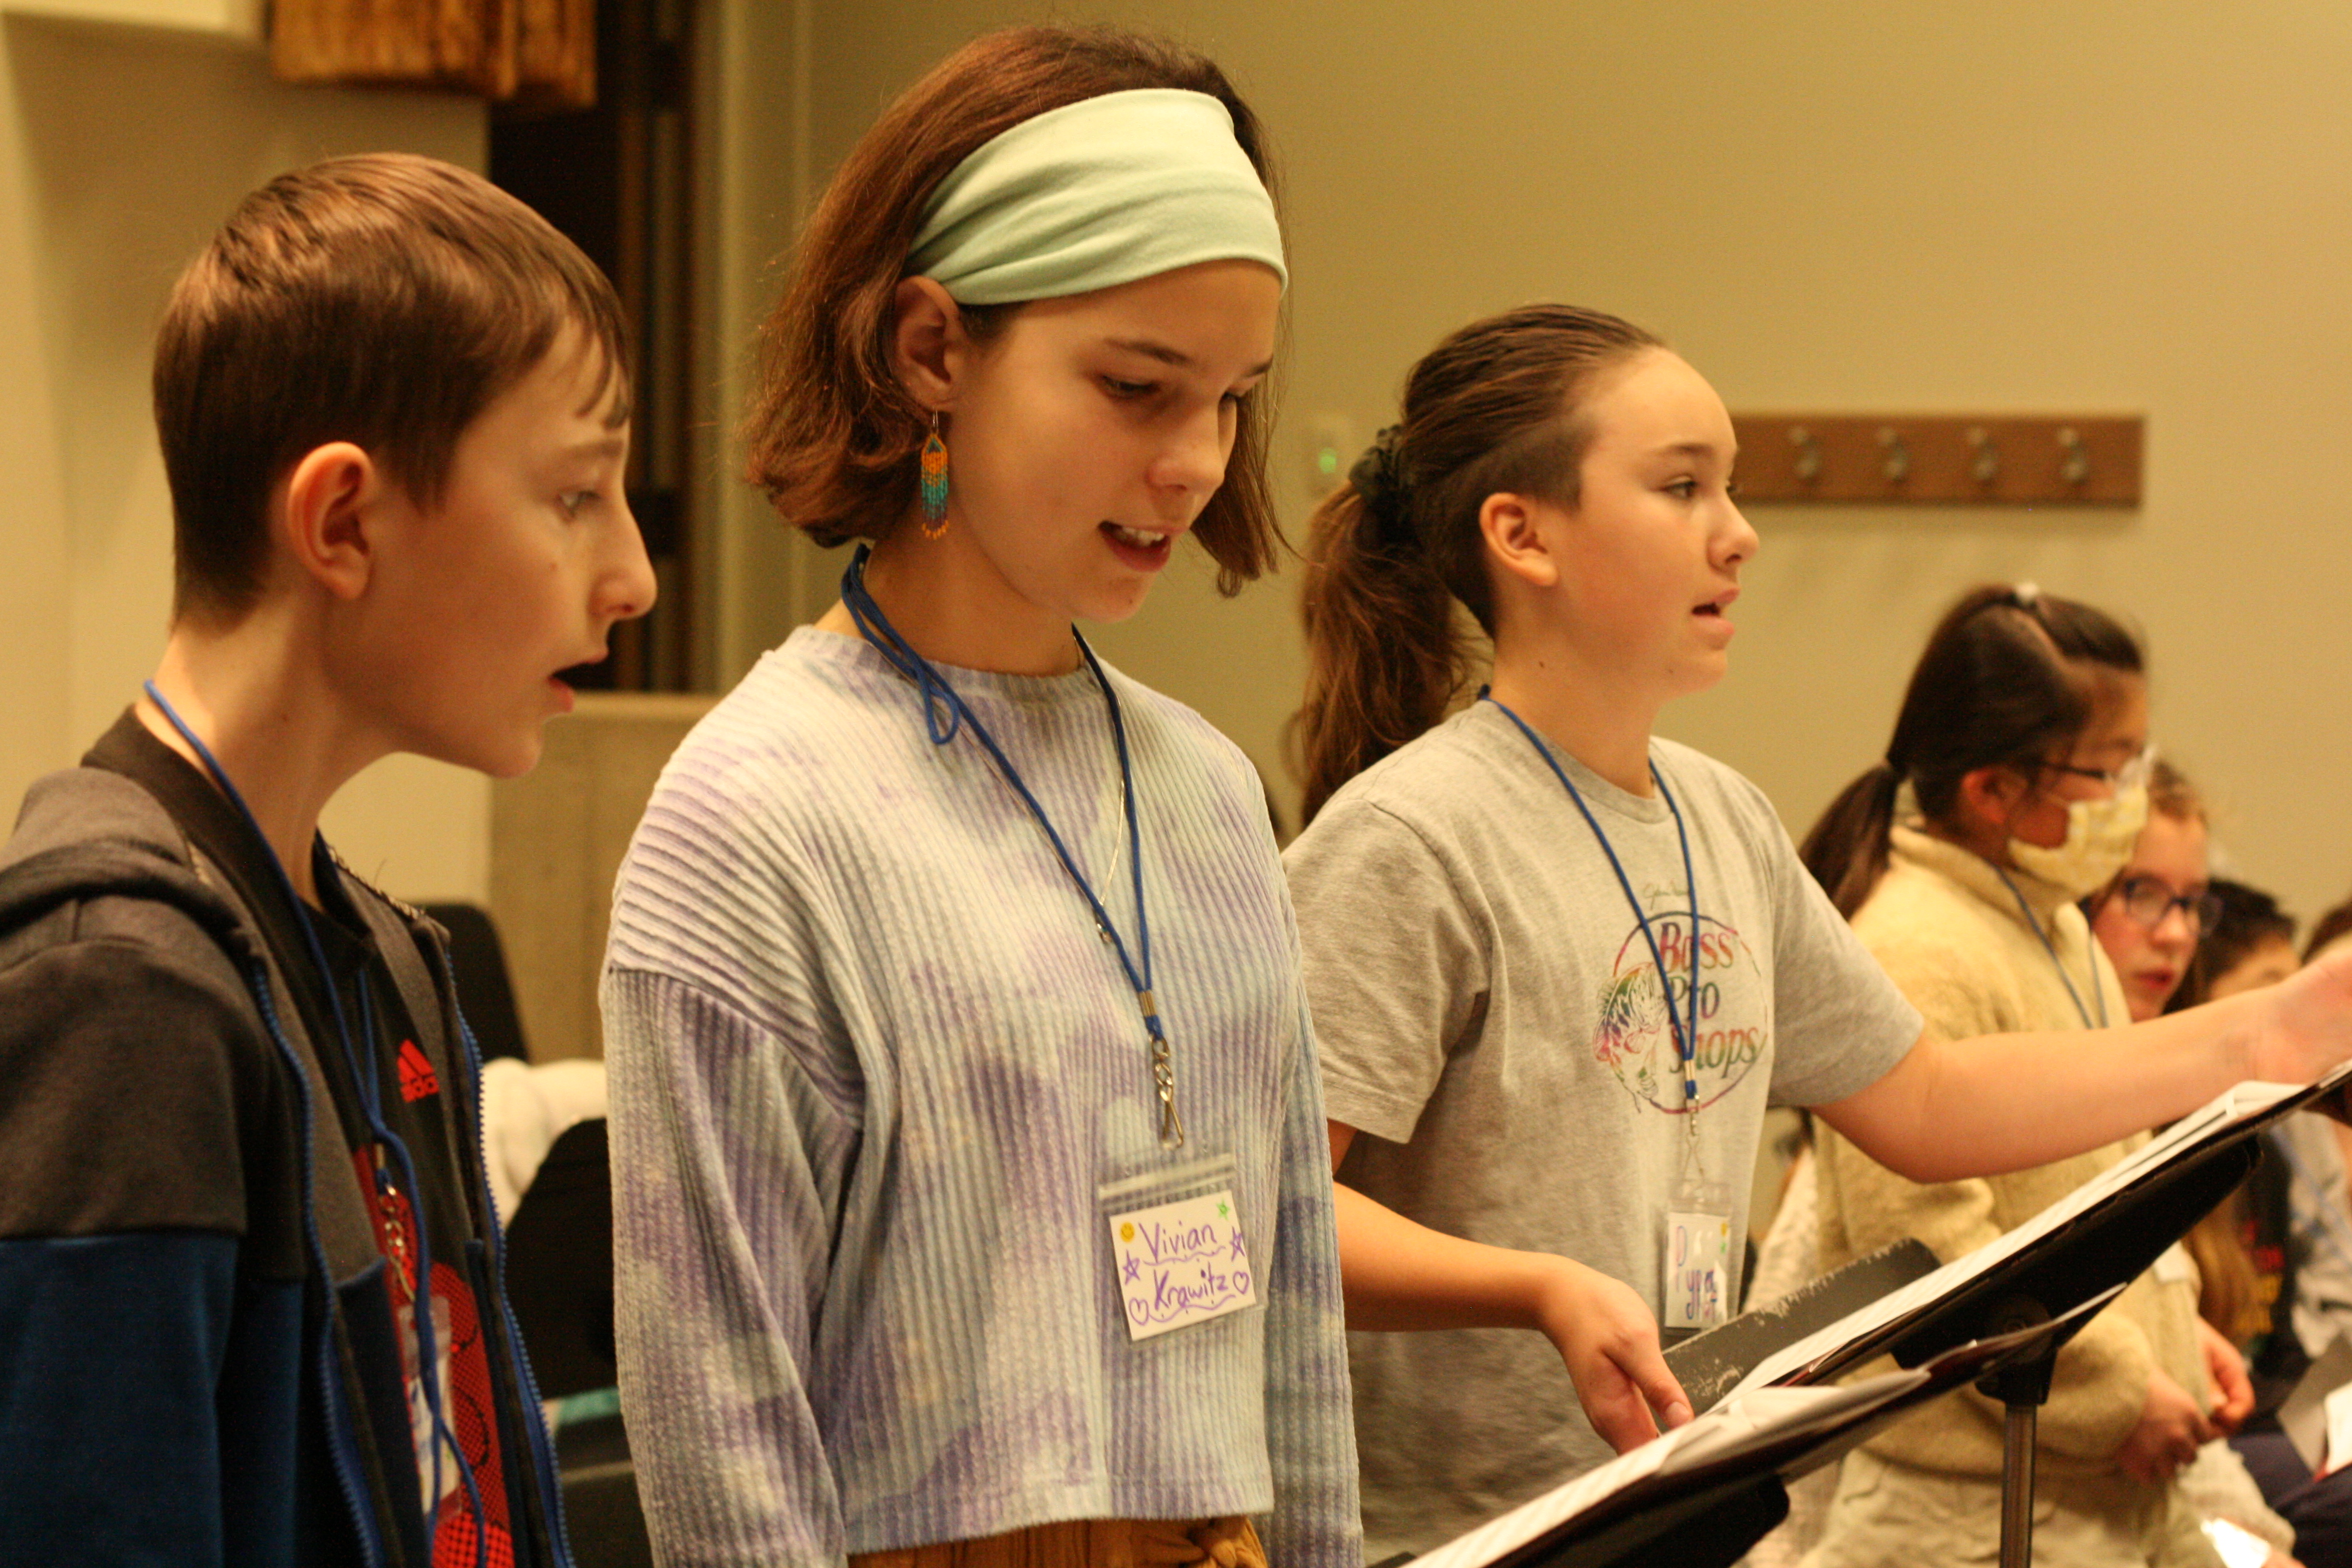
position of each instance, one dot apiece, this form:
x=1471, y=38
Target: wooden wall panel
x=1979, y=459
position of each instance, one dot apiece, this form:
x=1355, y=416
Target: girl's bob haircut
x=832, y=435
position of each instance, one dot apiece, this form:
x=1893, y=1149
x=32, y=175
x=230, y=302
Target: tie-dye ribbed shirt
x=871, y=1064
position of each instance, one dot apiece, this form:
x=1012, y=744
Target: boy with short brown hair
x=249, y=1271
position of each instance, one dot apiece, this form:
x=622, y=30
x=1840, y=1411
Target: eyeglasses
x=2148, y=900
x=2134, y=772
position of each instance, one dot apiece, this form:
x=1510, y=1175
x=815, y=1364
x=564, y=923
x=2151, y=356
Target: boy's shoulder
x=132, y=1063
x=90, y=844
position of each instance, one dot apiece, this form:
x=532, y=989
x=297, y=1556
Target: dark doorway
x=617, y=178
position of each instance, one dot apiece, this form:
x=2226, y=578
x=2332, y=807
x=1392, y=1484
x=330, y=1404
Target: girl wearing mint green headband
x=972, y=1197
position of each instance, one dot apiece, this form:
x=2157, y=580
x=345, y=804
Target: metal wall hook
x=1808, y=464
x=2075, y=467
x=1962, y=459
x=1985, y=466
x=1896, y=462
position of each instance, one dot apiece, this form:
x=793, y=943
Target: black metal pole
x=2023, y=1389
x=2017, y=1487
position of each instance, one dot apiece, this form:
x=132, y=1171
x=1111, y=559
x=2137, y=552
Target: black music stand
x=1996, y=1318
x=1703, y=1503
x=1709, y=1527
x=2110, y=1247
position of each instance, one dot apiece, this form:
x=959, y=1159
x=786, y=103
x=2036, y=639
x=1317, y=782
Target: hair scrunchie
x=1379, y=479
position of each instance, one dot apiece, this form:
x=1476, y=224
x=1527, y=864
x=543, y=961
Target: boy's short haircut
x=386, y=300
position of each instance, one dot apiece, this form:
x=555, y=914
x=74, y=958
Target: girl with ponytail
x=2017, y=783
x=2008, y=676
x=1559, y=967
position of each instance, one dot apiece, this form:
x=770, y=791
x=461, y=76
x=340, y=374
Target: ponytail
x=1385, y=655
x=1846, y=850
x=1492, y=410
x=2000, y=682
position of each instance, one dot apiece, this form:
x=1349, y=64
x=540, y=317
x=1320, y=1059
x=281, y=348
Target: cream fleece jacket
x=1951, y=935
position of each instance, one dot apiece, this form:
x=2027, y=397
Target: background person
x=2017, y=783
x=2151, y=919
x=2248, y=943
x=2294, y=1228
x=2153, y=922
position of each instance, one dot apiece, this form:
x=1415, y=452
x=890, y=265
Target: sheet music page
x=1768, y=1415
x=2230, y=1108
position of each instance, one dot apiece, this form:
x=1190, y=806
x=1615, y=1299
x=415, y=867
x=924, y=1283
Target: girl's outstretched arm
x=1398, y=1274
x=2004, y=1102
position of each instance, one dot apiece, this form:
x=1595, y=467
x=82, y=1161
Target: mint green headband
x=1095, y=194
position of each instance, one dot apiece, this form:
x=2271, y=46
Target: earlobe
x=325, y=516
x=927, y=342
x=1515, y=540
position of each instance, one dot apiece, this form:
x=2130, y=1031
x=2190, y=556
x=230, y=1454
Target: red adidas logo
x=416, y=1076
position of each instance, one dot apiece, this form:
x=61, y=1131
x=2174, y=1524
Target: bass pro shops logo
x=1633, y=1036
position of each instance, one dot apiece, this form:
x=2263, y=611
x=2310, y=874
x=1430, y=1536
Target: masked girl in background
x=970, y=1203
x=1558, y=966
x=2016, y=783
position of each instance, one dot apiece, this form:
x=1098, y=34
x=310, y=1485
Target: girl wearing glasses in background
x=2151, y=916
x=2153, y=922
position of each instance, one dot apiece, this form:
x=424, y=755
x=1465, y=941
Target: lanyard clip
x=1164, y=1078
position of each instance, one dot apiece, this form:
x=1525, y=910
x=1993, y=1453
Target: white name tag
x=1698, y=1269
x=1182, y=1263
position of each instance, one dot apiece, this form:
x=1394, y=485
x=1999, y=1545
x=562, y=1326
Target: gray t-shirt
x=1489, y=1019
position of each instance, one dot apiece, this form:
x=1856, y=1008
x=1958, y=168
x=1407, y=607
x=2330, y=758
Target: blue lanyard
x=937, y=695
x=1685, y=1036
x=2057, y=962
x=370, y=1087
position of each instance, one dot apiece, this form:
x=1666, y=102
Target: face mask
x=2099, y=838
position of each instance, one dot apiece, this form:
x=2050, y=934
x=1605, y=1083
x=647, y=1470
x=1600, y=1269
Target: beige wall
x=1914, y=207
x=120, y=148
x=2008, y=206
x=557, y=838
x=753, y=184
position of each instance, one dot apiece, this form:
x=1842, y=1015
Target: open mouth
x=588, y=675
x=1718, y=605
x=1139, y=547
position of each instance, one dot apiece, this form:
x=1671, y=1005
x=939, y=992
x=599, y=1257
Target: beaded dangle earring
x=935, y=482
